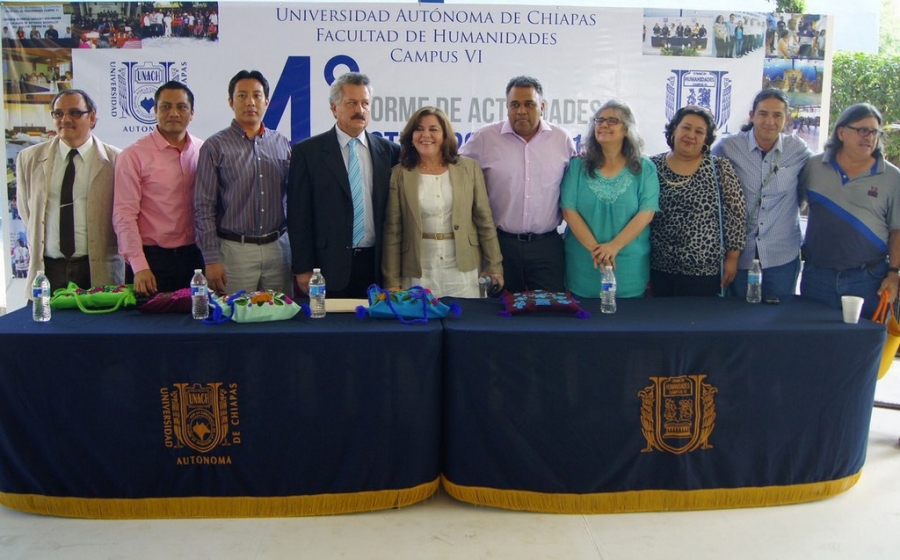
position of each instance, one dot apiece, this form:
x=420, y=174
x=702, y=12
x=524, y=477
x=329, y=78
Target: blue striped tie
x=356, y=192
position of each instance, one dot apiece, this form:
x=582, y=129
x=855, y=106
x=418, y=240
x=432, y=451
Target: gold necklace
x=678, y=183
x=424, y=167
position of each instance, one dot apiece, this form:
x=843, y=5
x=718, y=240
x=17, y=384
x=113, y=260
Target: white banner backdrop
x=456, y=57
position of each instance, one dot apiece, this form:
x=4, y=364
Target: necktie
x=67, y=208
x=356, y=192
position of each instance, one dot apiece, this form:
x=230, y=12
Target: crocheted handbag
x=413, y=305
x=101, y=299
x=250, y=307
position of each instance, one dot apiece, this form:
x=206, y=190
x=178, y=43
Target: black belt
x=64, y=259
x=252, y=239
x=525, y=236
x=169, y=250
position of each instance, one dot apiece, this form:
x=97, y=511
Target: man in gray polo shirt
x=852, y=242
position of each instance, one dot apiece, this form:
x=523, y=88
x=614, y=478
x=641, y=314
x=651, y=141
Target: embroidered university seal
x=678, y=414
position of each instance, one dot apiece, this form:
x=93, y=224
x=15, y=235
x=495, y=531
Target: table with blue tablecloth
x=682, y=403
x=126, y=415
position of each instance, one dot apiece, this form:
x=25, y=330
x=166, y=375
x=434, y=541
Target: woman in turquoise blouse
x=609, y=196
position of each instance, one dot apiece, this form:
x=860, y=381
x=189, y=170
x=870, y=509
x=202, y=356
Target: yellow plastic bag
x=892, y=342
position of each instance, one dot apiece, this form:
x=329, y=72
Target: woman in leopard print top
x=687, y=257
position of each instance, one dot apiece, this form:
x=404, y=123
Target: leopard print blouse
x=685, y=236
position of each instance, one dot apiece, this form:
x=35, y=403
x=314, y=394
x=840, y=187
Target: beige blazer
x=475, y=235
x=34, y=168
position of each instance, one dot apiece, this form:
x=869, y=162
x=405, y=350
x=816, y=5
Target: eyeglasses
x=611, y=121
x=74, y=113
x=866, y=132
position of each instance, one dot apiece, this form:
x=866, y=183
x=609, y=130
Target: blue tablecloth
x=129, y=415
x=669, y=404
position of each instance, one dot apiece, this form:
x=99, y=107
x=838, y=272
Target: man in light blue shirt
x=768, y=164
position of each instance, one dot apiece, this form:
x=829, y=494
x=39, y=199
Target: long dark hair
x=851, y=115
x=768, y=93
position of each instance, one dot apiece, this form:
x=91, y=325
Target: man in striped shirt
x=239, y=196
x=768, y=164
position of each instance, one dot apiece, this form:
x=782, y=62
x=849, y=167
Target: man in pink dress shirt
x=524, y=159
x=153, y=211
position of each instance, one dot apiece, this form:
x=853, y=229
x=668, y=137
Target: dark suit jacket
x=320, y=210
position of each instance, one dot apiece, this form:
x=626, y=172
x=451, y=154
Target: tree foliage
x=871, y=78
x=888, y=39
x=789, y=6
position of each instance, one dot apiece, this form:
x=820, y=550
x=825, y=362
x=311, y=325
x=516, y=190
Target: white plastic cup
x=851, y=305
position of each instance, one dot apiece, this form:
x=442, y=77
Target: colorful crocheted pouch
x=540, y=301
x=101, y=299
x=414, y=305
x=251, y=307
x=178, y=301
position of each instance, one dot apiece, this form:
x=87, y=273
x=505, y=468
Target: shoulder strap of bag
x=122, y=298
x=217, y=316
x=420, y=294
x=715, y=170
x=883, y=309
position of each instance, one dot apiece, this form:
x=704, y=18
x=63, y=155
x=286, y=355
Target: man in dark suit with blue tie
x=336, y=196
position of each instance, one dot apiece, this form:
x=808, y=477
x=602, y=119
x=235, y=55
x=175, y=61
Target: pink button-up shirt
x=154, y=195
x=522, y=177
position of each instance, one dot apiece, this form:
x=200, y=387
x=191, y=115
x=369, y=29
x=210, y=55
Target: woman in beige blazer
x=438, y=230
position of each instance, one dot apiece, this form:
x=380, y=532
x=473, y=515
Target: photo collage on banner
x=456, y=57
x=795, y=63
x=39, y=42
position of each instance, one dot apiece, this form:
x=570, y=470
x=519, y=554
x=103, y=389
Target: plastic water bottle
x=199, y=295
x=754, y=282
x=484, y=285
x=608, y=291
x=40, y=296
x=317, y=294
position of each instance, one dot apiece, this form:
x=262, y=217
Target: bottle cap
x=196, y=270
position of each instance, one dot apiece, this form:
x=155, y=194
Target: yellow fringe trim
x=278, y=506
x=649, y=500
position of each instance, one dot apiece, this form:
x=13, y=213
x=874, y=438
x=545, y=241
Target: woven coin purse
x=414, y=305
x=251, y=307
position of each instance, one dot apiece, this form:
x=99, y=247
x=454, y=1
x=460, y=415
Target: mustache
x=359, y=116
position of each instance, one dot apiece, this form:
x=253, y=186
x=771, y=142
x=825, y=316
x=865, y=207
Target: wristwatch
x=894, y=269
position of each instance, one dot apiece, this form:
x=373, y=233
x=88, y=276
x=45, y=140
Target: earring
x=705, y=148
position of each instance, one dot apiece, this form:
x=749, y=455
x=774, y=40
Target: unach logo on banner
x=709, y=89
x=132, y=86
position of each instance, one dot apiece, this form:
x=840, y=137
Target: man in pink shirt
x=153, y=211
x=524, y=159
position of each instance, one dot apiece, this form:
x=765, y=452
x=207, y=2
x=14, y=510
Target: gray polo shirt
x=850, y=219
